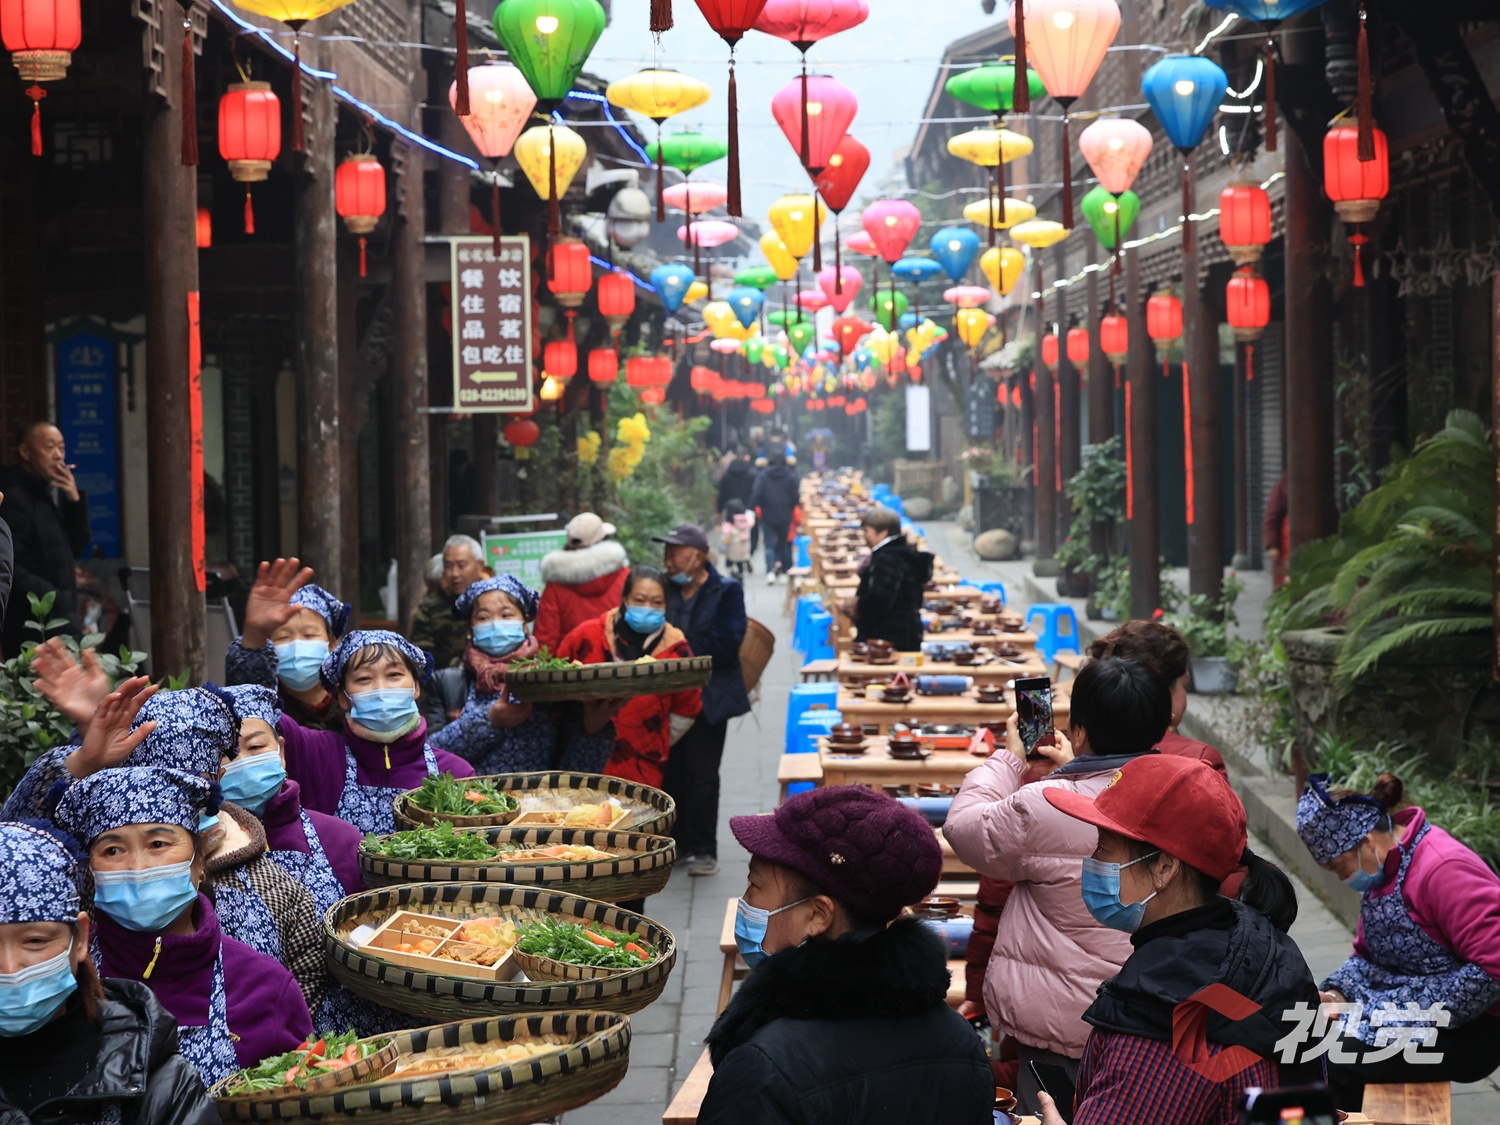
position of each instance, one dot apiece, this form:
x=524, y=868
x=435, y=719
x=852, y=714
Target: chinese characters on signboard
x=86, y=414
x=520, y=553
x=492, y=325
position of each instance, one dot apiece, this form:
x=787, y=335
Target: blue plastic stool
x=807, y=605
x=894, y=503
x=989, y=586
x=803, y=698
x=810, y=726
x=1055, y=626
x=803, y=543
x=819, y=637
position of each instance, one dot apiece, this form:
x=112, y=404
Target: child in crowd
x=735, y=534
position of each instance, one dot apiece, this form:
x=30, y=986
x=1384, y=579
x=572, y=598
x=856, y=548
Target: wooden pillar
x=350, y=411
x=1140, y=423
x=320, y=526
x=1495, y=437
x=1100, y=377
x=171, y=277
x=409, y=387
x=1309, y=353
x=1045, y=473
x=1241, y=560
x=1200, y=331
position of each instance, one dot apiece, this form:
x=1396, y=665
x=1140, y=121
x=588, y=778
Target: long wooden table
x=875, y=767
x=994, y=672
x=920, y=709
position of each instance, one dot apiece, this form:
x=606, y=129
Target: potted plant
x=1204, y=623
x=1096, y=494
x=1002, y=490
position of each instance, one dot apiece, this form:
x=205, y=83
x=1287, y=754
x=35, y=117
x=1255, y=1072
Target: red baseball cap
x=1180, y=805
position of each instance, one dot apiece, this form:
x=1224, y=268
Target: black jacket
x=775, y=494
x=737, y=483
x=889, y=599
x=714, y=622
x=137, y=1067
x=854, y=1030
x=47, y=538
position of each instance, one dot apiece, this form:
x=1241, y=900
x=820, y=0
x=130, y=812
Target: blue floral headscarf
x=252, y=701
x=508, y=584
x=142, y=795
x=332, y=672
x=196, y=729
x=335, y=613
x=38, y=876
x=1331, y=826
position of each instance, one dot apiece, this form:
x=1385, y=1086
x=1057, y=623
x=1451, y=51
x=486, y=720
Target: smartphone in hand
x=1034, y=713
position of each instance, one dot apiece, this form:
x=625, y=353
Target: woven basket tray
x=610, y=681
x=549, y=968
x=362, y=1071
x=419, y=817
x=653, y=812
x=642, y=867
x=592, y=1055
x=437, y=996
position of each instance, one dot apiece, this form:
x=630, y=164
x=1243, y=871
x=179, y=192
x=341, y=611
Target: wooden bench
x=690, y=1095
x=1072, y=661
x=819, y=670
x=1409, y=1103
x=798, y=767
x=734, y=968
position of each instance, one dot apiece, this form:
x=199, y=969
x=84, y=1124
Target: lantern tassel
x=1357, y=240
x=461, y=59
x=189, y=90
x=362, y=261
x=817, y=238
x=1119, y=246
x=249, y=212
x=495, y=212
x=838, y=262
x=1067, y=173
x=1365, y=106
x=994, y=203
x=554, y=208
x=1187, y=436
x=732, y=204
x=36, y=94
x=806, y=151
x=1270, y=95
x=1249, y=363
x=297, y=139
x=661, y=176
x=661, y=16
x=1020, y=96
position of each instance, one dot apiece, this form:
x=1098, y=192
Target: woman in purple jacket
x=233, y=1006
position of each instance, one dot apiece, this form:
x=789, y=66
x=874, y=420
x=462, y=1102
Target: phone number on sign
x=492, y=394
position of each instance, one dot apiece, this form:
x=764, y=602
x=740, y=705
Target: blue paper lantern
x=746, y=303
x=671, y=284
x=916, y=270
x=810, y=355
x=908, y=320
x=1263, y=11
x=861, y=358
x=1185, y=91
x=954, y=248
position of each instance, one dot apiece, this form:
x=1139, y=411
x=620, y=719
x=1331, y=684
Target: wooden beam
x=409, y=389
x=1142, y=380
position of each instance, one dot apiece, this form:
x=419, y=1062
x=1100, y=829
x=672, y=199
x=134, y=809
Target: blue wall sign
x=88, y=415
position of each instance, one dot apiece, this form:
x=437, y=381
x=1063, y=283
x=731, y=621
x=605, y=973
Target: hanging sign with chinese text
x=492, y=325
x=87, y=416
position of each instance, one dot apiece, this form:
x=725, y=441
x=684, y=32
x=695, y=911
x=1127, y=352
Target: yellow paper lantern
x=882, y=344
x=990, y=212
x=695, y=292
x=658, y=94
x=533, y=152
x=1002, y=266
x=972, y=324
x=719, y=317
x=1039, y=233
x=551, y=390
x=988, y=147
x=778, y=256
x=796, y=218
x=919, y=339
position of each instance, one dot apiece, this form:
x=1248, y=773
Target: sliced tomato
x=351, y=1053
x=291, y=1075
x=631, y=947
x=318, y=1049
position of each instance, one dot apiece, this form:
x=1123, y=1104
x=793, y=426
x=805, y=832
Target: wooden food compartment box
x=555, y=818
x=404, y=938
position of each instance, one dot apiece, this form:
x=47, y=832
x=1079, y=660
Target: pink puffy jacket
x=1050, y=955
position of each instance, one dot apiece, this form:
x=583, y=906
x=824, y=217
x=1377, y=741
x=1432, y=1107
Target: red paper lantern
x=841, y=176
x=616, y=298
x=1050, y=351
x=1249, y=302
x=41, y=36
x=205, y=228
x=1114, y=337
x=662, y=371
x=763, y=405
x=522, y=432
x=249, y=136
x=858, y=406
x=654, y=396
x=1163, y=321
x=570, y=274
x=1355, y=186
x=560, y=359
x=1245, y=221
x=1078, y=346
x=702, y=379
x=835, y=402
x=359, y=197
x=638, y=370
x=848, y=330
x=604, y=366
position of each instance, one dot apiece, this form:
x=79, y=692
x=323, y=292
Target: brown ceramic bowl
x=982, y=629
x=990, y=695
x=936, y=906
x=932, y=790
x=881, y=649
x=966, y=658
x=989, y=604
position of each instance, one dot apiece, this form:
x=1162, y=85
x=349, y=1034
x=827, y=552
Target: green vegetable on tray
x=585, y=945
x=446, y=795
x=544, y=661
x=440, y=841
x=320, y=1054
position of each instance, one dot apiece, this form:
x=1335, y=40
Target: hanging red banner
x=195, y=455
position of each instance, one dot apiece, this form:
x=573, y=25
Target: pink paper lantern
x=860, y=242
x=828, y=282
x=696, y=196
x=831, y=107
x=1115, y=148
x=966, y=296
x=803, y=22
x=811, y=299
x=1066, y=41
x=725, y=347
x=708, y=233
x=500, y=103
x=891, y=223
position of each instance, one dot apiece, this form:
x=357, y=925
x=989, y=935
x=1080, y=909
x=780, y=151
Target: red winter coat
x=643, y=727
x=581, y=585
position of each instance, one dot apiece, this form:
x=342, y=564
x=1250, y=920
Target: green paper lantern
x=800, y=334
x=754, y=348
x=1098, y=208
x=782, y=356
x=888, y=308
x=785, y=317
x=687, y=152
x=992, y=88
x=549, y=41
x=757, y=277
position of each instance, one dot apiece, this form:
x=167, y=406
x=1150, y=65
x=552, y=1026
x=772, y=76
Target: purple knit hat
x=870, y=852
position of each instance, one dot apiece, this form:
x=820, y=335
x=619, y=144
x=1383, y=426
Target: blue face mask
x=251, y=782
x=644, y=619
x=496, y=638
x=750, y=924
x=384, y=709
x=206, y=821
x=297, y=663
x=1101, y=894
x=31, y=997
x=147, y=900
x=1362, y=880
x=680, y=579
